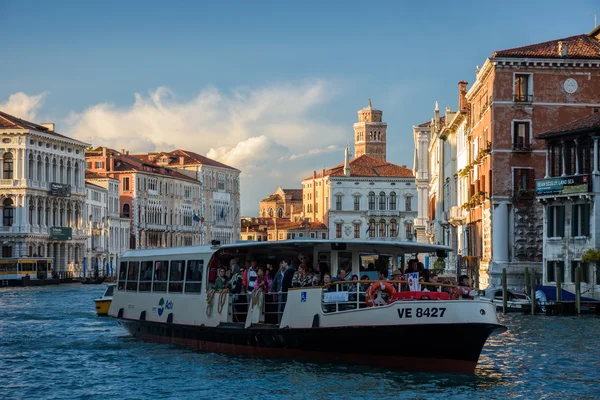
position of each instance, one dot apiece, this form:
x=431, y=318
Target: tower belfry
x=370, y=133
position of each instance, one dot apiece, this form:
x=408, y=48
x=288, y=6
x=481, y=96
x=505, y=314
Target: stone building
x=570, y=196
x=108, y=233
x=42, y=193
x=220, y=190
x=517, y=94
x=161, y=202
x=284, y=203
x=285, y=230
x=364, y=197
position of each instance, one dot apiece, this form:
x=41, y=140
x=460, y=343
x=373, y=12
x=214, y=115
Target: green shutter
x=574, y=220
x=561, y=221
x=585, y=220
x=550, y=232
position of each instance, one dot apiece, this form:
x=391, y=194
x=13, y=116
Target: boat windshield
x=109, y=291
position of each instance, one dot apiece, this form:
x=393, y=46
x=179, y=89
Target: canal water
x=52, y=346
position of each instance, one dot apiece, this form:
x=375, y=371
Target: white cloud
x=269, y=133
x=22, y=105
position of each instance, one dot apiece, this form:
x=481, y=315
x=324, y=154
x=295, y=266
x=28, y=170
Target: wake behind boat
x=167, y=296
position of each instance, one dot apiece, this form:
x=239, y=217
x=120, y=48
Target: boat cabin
x=29, y=268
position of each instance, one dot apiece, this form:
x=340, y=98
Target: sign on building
x=60, y=189
x=61, y=233
x=563, y=185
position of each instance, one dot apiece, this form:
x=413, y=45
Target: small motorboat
x=103, y=303
x=515, y=301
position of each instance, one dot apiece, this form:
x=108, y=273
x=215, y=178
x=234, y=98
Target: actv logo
x=162, y=304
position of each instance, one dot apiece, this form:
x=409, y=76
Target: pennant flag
x=368, y=229
x=196, y=218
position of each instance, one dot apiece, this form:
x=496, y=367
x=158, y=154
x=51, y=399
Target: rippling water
x=52, y=346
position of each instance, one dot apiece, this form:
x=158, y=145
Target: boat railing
x=352, y=295
x=270, y=304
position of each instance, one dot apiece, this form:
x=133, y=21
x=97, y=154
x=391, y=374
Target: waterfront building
x=165, y=206
x=364, y=197
x=288, y=230
x=255, y=229
x=284, y=203
x=570, y=196
x=42, y=193
x=108, y=233
x=220, y=191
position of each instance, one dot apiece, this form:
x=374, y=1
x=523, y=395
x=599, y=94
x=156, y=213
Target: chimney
x=436, y=114
x=181, y=160
x=462, y=96
x=104, y=152
x=111, y=163
x=314, y=174
x=562, y=49
x=49, y=126
x=122, y=151
x=347, y=161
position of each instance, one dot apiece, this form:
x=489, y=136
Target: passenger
x=341, y=276
x=239, y=303
x=316, y=280
x=286, y=283
x=327, y=281
x=397, y=276
x=221, y=281
x=371, y=267
x=323, y=268
x=463, y=285
x=251, y=276
x=381, y=276
x=302, y=278
x=235, y=284
x=261, y=281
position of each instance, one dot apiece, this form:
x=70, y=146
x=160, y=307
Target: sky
x=269, y=87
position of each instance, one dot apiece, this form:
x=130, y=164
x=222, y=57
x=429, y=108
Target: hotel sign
x=61, y=233
x=563, y=185
x=60, y=190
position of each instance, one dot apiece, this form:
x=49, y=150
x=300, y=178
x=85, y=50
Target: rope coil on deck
x=256, y=297
x=210, y=295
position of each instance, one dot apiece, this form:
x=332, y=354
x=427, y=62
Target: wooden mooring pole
x=558, y=284
x=533, y=305
x=504, y=292
x=527, y=285
x=578, y=289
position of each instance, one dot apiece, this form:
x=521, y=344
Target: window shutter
x=561, y=265
x=561, y=221
x=550, y=224
x=585, y=220
x=574, y=220
x=527, y=141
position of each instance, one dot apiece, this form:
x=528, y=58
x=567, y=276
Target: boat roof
x=372, y=246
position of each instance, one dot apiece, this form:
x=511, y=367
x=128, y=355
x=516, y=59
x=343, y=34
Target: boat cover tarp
x=550, y=292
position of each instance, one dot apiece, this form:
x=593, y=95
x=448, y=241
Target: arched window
x=280, y=213
x=382, y=200
x=68, y=172
x=69, y=216
x=408, y=226
x=393, y=201
x=263, y=213
x=62, y=172
x=40, y=168
x=31, y=173
x=371, y=201
x=8, y=166
x=126, y=210
x=47, y=165
x=382, y=228
x=54, y=170
x=8, y=212
x=271, y=212
x=40, y=214
x=393, y=228
x=371, y=228
x=31, y=212
x=76, y=183
x=77, y=216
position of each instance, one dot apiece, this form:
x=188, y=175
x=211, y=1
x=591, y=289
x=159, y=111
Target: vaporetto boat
x=167, y=296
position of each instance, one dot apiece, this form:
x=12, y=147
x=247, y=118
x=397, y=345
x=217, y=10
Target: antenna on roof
x=595, y=24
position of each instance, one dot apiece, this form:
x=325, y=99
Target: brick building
x=284, y=203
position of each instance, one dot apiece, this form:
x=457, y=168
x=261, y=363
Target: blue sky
x=271, y=87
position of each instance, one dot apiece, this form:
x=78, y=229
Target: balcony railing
x=8, y=182
x=383, y=213
x=523, y=98
x=521, y=147
x=456, y=215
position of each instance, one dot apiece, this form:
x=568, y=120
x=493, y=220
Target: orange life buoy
x=371, y=297
x=455, y=293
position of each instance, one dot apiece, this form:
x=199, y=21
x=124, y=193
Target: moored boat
x=167, y=296
x=103, y=303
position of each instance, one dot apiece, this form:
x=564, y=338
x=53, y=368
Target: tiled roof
x=8, y=121
x=94, y=175
x=366, y=166
x=580, y=46
x=95, y=186
x=296, y=193
x=581, y=125
x=189, y=158
x=273, y=197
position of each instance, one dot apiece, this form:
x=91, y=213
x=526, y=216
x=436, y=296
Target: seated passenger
x=316, y=280
x=327, y=281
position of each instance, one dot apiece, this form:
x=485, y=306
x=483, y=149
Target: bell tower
x=370, y=133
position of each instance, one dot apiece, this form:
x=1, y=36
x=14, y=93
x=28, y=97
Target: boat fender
x=143, y=315
x=170, y=318
x=120, y=315
x=315, y=323
x=425, y=297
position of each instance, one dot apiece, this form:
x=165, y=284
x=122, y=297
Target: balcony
x=8, y=182
x=456, y=216
x=523, y=98
x=383, y=213
x=444, y=217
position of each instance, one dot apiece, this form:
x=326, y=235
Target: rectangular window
x=338, y=203
x=313, y=235
x=521, y=135
x=371, y=201
x=356, y=231
x=553, y=268
x=122, y=275
x=99, y=164
x=146, y=277
x=521, y=89
x=316, y=208
x=580, y=220
x=126, y=184
x=323, y=235
x=176, y=276
x=584, y=271
x=193, y=276
x=408, y=205
x=133, y=276
x=556, y=221
x=356, y=203
x=161, y=274
x=338, y=231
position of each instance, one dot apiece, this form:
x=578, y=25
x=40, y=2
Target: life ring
x=372, y=298
x=455, y=293
x=424, y=297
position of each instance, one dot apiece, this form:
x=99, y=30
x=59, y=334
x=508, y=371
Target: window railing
x=523, y=98
x=521, y=146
